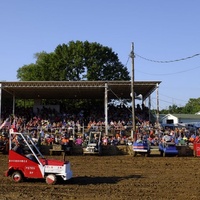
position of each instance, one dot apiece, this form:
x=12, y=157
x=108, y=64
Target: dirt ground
x=113, y=177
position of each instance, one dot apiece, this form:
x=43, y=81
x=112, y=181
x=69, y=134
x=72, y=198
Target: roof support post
x=149, y=108
x=13, y=112
x=106, y=108
x=157, y=98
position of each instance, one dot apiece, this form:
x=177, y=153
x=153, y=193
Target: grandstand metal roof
x=76, y=89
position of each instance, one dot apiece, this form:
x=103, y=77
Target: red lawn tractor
x=32, y=164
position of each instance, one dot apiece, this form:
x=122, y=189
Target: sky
x=165, y=34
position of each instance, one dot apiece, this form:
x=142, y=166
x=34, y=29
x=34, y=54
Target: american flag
x=6, y=123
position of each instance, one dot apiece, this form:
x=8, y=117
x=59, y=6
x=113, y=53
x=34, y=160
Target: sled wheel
x=51, y=179
x=17, y=177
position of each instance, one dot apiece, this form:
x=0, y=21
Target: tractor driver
x=167, y=137
x=19, y=148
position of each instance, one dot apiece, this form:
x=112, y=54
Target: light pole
x=132, y=91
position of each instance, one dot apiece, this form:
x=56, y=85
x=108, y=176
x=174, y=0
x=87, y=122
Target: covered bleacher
x=106, y=90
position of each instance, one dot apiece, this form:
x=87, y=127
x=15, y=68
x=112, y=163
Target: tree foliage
x=73, y=62
x=192, y=107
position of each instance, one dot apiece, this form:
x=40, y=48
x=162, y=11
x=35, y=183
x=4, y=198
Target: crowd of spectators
x=73, y=127
x=178, y=135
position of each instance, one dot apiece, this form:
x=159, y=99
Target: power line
x=172, y=98
x=172, y=73
x=168, y=61
x=127, y=61
x=161, y=107
x=166, y=74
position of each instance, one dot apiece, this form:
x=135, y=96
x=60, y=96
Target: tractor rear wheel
x=134, y=153
x=164, y=154
x=51, y=179
x=17, y=177
x=147, y=154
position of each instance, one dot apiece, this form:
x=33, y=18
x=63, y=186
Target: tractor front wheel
x=51, y=179
x=17, y=176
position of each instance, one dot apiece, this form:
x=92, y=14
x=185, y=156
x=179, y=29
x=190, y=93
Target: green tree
x=75, y=61
x=29, y=73
x=173, y=108
x=103, y=64
x=193, y=106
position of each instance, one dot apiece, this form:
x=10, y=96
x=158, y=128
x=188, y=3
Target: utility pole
x=132, y=90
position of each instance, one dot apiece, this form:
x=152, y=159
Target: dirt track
x=113, y=177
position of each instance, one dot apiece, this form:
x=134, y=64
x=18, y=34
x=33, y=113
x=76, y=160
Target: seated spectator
x=79, y=141
x=185, y=139
x=113, y=141
x=65, y=143
x=192, y=138
x=105, y=140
